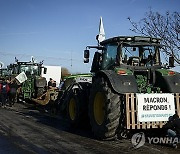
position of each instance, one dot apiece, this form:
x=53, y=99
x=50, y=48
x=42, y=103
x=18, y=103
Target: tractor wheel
x=104, y=110
x=73, y=109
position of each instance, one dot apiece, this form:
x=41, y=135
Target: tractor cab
x=4, y=72
x=138, y=56
x=126, y=51
x=28, y=68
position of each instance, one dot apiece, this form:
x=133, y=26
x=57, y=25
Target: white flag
x=101, y=36
x=21, y=77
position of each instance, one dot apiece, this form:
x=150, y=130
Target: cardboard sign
x=155, y=107
x=21, y=77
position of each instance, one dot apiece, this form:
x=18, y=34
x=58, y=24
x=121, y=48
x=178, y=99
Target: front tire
x=104, y=110
x=73, y=109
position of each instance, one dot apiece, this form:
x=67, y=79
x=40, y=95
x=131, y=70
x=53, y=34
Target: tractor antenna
x=71, y=59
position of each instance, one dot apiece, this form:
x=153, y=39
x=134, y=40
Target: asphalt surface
x=26, y=129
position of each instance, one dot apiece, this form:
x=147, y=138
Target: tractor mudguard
x=120, y=83
x=169, y=83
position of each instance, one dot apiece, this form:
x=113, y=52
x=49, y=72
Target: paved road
x=7, y=146
x=27, y=130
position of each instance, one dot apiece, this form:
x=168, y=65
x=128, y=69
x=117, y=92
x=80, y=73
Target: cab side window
x=109, y=56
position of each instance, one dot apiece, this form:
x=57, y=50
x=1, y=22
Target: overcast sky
x=57, y=31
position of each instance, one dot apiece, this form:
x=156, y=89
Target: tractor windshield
x=139, y=55
x=128, y=54
x=30, y=69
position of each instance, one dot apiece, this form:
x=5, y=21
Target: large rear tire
x=104, y=110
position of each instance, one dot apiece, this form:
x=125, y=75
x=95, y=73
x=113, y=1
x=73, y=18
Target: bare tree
x=64, y=72
x=166, y=27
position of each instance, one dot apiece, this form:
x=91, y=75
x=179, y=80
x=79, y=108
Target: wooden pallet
x=131, y=113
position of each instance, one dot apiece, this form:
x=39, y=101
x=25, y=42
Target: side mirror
x=45, y=70
x=86, y=56
x=171, y=61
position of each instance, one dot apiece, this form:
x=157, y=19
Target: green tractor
x=34, y=88
x=72, y=101
x=131, y=89
x=35, y=85
x=4, y=73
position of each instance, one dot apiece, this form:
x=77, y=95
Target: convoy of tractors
x=128, y=87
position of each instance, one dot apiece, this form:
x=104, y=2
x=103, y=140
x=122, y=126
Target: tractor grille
x=131, y=113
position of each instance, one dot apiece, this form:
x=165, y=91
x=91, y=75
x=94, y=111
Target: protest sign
x=155, y=107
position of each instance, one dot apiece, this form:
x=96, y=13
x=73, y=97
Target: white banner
x=155, y=107
x=21, y=77
x=84, y=79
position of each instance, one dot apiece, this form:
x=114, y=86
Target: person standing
x=51, y=83
x=61, y=85
x=4, y=89
x=13, y=92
